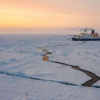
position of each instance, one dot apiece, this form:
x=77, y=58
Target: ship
x=93, y=36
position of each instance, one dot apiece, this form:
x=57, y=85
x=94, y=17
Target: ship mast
x=85, y=30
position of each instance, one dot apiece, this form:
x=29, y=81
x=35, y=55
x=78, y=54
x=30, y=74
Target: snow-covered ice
x=25, y=76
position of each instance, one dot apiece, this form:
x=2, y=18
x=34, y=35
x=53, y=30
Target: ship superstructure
x=86, y=36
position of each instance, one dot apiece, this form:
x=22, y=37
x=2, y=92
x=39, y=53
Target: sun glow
x=33, y=15
x=41, y=13
x=36, y=15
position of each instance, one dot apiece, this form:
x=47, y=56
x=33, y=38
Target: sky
x=48, y=14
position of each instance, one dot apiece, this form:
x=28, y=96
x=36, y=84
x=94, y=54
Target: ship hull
x=86, y=39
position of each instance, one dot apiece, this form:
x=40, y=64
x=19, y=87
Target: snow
x=7, y=95
x=25, y=76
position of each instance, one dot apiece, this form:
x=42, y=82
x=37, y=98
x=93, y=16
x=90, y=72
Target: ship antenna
x=85, y=30
x=91, y=28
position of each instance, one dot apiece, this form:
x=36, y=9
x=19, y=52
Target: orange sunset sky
x=19, y=14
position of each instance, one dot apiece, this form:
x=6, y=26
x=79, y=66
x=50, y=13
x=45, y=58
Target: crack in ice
x=89, y=83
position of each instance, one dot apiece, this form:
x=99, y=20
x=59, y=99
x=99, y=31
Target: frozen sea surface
x=25, y=76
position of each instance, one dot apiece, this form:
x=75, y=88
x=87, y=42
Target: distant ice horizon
x=43, y=31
